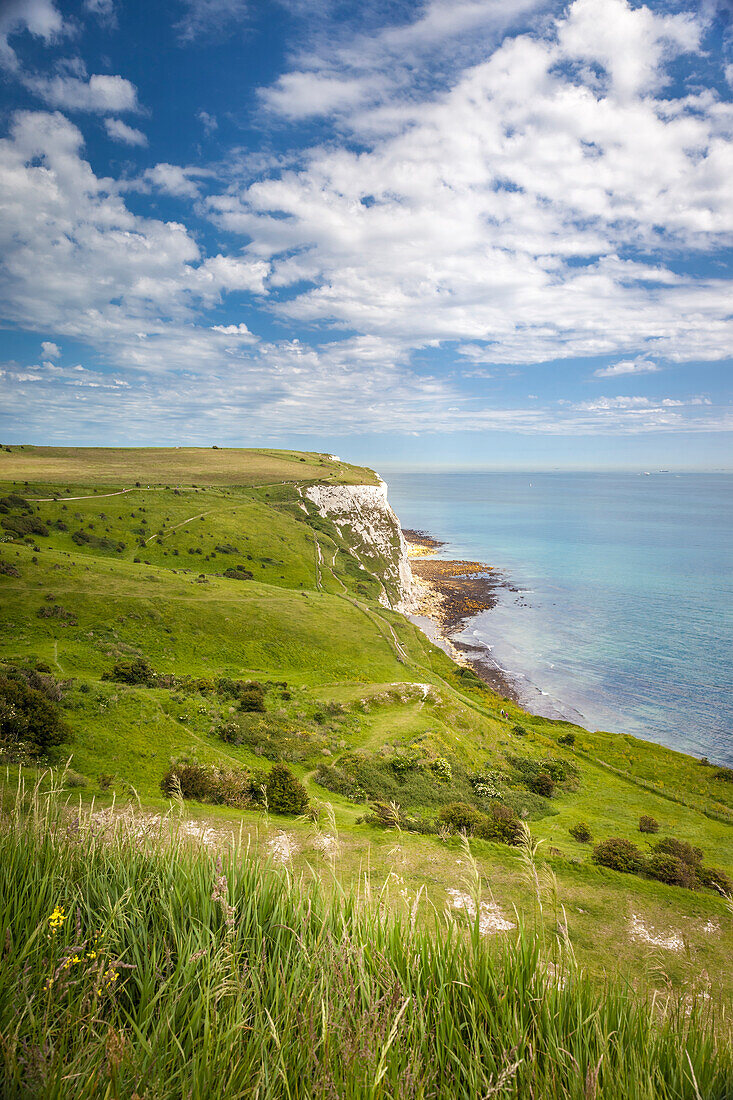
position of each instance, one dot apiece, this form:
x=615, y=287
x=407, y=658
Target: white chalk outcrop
x=375, y=533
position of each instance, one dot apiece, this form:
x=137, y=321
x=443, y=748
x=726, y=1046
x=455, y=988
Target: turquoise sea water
x=624, y=617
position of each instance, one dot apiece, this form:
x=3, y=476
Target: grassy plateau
x=188, y=614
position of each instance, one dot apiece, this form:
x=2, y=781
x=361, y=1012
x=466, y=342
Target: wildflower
x=57, y=918
x=91, y=954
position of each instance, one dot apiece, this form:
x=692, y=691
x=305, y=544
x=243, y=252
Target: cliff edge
x=374, y=534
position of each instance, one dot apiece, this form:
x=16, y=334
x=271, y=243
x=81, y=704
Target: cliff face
x=375, y=535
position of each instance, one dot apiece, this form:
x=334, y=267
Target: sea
x=619, y=604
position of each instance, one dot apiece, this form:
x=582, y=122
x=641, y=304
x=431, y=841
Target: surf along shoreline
x=447, y=595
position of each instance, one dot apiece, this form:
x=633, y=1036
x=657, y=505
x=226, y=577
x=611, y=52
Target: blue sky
x=448, y=231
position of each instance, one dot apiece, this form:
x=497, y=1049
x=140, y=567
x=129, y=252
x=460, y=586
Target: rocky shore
x=447, y=594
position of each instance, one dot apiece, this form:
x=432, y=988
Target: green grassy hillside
x=216, y=568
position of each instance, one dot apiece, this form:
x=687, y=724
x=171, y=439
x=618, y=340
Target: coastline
x=447, y=596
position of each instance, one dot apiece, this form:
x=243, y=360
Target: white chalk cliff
x=375, y=533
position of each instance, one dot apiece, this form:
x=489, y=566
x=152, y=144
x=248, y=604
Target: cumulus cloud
x=233, y=330
x=171, y=179
x=527, y=206
x=498, y=213
x=75, y=260
x=49, y=350
x=100, y=93
x=120, y=131
x=39, y=17
x=627, y=366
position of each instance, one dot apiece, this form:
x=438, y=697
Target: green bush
x=20, y=526
x=715, y=879
x=459, y=817
x=567, y=739
x=285, y=793
x=207, y=783
x=542, y=784
x=502, y=824
x=619, y=855
x=581, y=832
x=680, y=849
x=31, y=720
x=670, y=869
x=137, y=672
x=648, y=824
x=252, y=699
x=238, y=573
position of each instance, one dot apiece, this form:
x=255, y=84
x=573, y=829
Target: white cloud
x=103, y=9
x=210, y=18
x=498, y=218
x=39, y=17
x=50, y=350
x=627, y=366
x=233, y=330
x=75, y=261
x=302, y=94
x=630, y=43
x=120, y=131
x=100, y=93
x=173, y=180
x=208, y=121
x=498, y=213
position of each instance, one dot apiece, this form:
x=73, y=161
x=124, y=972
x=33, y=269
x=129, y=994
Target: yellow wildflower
x=57, y=918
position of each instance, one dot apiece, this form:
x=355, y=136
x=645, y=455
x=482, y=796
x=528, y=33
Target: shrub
x=83, y=538
x=581, y=833
x=9, y=570
x=285, y=793
x=502, y=824
x=105, y=780
x=680, y=849
x=29, y=712
x=57, y=612
x=75, y=779
x=670, y=869
x=19, y=526
x=237, y=573
x=462, y=818
x=648, y=824
x=543, y=784
x=567, y=739
x=252, y=699
x=441, y=767
x=619, y=855
x=137, y=672
x=715, y=879
x=207, y=783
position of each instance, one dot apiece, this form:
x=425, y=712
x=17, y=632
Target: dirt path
x=183, y=523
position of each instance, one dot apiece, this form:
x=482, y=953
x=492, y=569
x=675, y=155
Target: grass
x=136, y=963
x=317, y=625
x=116, y=466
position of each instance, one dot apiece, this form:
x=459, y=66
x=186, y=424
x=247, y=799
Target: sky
x=410, y=232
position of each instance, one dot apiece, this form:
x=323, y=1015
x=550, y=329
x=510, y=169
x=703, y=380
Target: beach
x=448, y=594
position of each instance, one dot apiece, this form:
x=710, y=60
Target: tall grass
x=140, y=964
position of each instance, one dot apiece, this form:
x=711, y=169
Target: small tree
x=648, y=824
x=543, y=784
x=285, y=793
x=581, y=832
x=620, y=855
